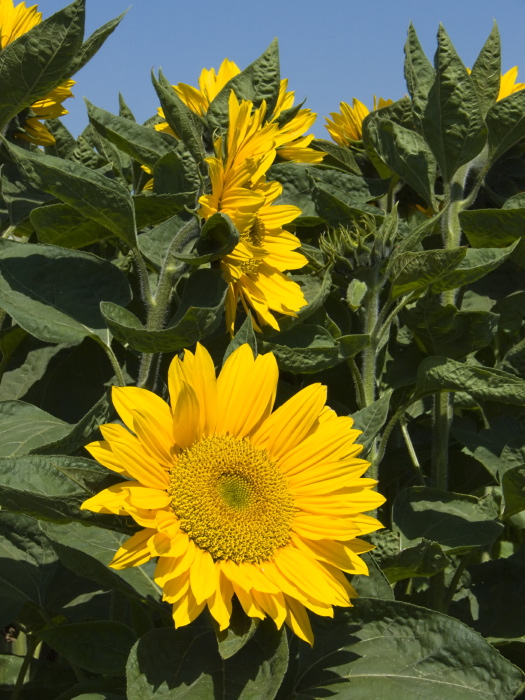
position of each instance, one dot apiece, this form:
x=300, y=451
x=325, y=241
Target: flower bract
x=16, y=20
x=235, y=498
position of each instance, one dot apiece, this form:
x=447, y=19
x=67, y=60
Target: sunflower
x=15, y=21
x=348, y=125
x=255, y=269
x=293, y=144
x=235, y=499
x=508, y=84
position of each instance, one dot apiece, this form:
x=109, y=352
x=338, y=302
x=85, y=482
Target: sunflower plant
x=261, y=394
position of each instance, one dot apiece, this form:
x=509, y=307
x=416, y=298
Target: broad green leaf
x=297, y=190
x=64, y=141
x=376, y=584
x=16, y=382
x=477, y=263
x=91, y=193
x=493, y=228
x=218, y=237
x=308, y=348
x=53, y=488
x=352, y=189
x=338, y=156
x=381, y=649
x=24, y=427
x=55, y=293
x=152, y=209
x=456, y=521
x=419, y=73
x=93, y=43
x=486, y=71
x=513, y=485
x=482, y=383
x=19, y=197
x=371, y=419
x=80, y=434
x=514, y=360
x=29, y=564
x=146, y=145
x=245, y=334
x=259, y=81
x=87, y=551
x=185, y=124
x=198, y=315
x=443, y=330
x=239, y=632
x=63, y=225
x=39, y=60
x=452, y=123
x=405, y=152
x=506, y=124
x=100, y=646
x=424, y=559
x=182, y=663
x=411, y=272
x=154, y=244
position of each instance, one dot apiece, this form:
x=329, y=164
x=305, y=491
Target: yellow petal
x=130, y=398
x=220, y=603
x=186, y=609
x=186, y=417
x=297, y=620
x=203, y=578
x=134, y=551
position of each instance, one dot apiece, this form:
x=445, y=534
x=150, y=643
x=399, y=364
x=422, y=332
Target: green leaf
x=55, y=293
x=456, y=521
x=63, y=225
x=92, y=194
x=376, y=584
x=307, y=348
x=146, y=145
x=493, y=228
x=338, y=156
x=28, y=565
x=65, y=143
x=154, y=244
x=482, y=383
x=419, y=73
x=93, y=43
x=87, y=551
x=99, y=647
x=477, y=263
x=185, y=124
x=352, y=189
x=53, y=488
x=315, y=289
x=198, y=315
x=486, y=71
x=24, y=427
x=452, y=123
x=443, y=330
x=19, y=197
x=405, y=153
x=152, y=209
x=424, y=559
x=16, y=382
x=218, y=237
x=371, y=419
x=506, y=124
x=416, y=271
x=380, y=648
x=39, y=60
x=239, y=632
x=169, y=663
x=245, y=334
x=513, y=485
x=259, y=81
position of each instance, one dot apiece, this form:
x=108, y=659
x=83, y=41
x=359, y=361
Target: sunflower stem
x=160, y=301
x=31, y=644
x=358, y=382
x=449, y=593
x=412, y=452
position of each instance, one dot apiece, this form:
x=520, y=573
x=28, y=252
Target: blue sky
x=331, y=50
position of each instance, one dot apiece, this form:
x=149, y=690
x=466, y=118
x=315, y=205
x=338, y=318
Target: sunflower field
x=262, y=395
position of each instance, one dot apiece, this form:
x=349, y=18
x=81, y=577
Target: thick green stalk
x=442, y=420
x=31, y=644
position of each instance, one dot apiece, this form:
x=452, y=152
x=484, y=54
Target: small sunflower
x=15, y=21
x=508, y=84
x=293, y=144
x=347, y=126
x=235, y=498
x=255, y=269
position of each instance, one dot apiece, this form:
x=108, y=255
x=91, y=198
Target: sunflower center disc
x=231, y=499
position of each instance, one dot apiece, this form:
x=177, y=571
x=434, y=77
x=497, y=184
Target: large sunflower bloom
x=293, y=144
x=347, y=126
x=15, y=21
x=235, y=499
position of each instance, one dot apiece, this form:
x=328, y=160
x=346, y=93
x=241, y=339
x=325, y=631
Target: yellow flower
x=508, y=84
x=293, y=144
x=235, y=499
x=15, y=21
x=255, y=269
x=348, y=125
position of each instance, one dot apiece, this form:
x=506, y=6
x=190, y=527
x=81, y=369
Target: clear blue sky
x=331, y=50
